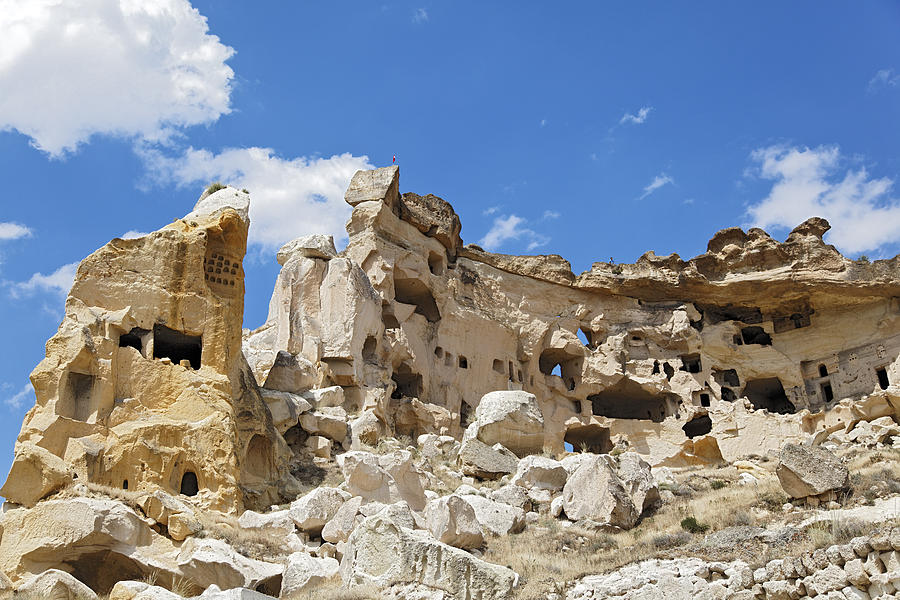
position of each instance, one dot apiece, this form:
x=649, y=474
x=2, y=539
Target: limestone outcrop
x=412, y=402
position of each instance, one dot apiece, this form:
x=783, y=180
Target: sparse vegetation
x=215, y=187
x=692, y=525
x=717, y=484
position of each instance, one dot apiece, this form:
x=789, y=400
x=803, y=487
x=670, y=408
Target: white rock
x=496, y=518
x=540, y=472
x=451, y=520
x=208, y=560
x=339, y=528
x=303, y=573
x=510, y=418
x=310, y=246
x=227, y=197
x=310, y=512
x=595, y=492
x=54, y=584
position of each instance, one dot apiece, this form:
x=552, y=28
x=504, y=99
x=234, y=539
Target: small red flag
x=395, y=159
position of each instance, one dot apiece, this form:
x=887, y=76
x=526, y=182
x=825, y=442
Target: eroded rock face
x=810, y=470
x=150, y=349
x=382, y=553
x=595, y=492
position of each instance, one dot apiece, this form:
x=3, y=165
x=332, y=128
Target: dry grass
x=334, y=590
x=252, y=543
x=549, y=555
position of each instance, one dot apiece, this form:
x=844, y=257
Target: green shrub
x=717, y=484
x=692, y=525
x=215, y=187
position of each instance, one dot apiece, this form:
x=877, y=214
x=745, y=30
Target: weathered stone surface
x=309, y=246
x=381, y=553
x=513, y=419
x=595, y=492
x=810, y=470
x=289, y=373
x=496, y=517
x=542, y=473
x=208, y=561
x=312, y=511
x=56, y=585
x=487, y=462
x=638, y=480
x=451, y=520
x=341, y=525
x=35, y=473
x=387, y=479
x=303, y=573
x=432, y=216
x=379, y=184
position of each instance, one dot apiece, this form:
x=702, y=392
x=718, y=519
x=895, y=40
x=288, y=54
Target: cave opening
x=189, y=484
x=756, y=335
x=133, y=339
x=628, y=400
x=415, y=292
x=699, y=425
x=882, y=375
x=768, y=393
x=406, y=383
x=80, y=392
x=177, y=346
x=589, y=438
x=691, y=363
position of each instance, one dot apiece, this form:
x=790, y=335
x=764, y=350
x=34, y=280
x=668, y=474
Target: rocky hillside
x=422, y=419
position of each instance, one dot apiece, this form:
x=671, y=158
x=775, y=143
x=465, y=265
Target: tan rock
x=496, y=517
x=382, y=554
x=182, y=525
x=542, y=473
x=809, y=471
x=486, y=462
x=55, y=584
x=386, y=479
x=595, y=492
x=35, y=473
x=513, y=419
x=344, y=521
x=312, y=511
x=207, y=561
x=303, y=573
x=451, y=520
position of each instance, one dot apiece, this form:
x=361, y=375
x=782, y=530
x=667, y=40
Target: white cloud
x=420, y=16
x=511, y=227
x=288, y=197
x=70, y=69
x=20, y=398
x=658, y=181
x=13, y=231
x=132, y=234
x=884, y=78
x=543, y=122
x=60, y=281
x=490, y=210
x=551, y=214
x=639, y=118
x=810, y=182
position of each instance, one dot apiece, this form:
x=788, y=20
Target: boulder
x=277, y=523
x=486, y=462
x=386, y=479
x=292, y=374
x=511, y=418
x=433, y=446
x=328, y=397
x=35, y=473
x=432, y=216
x=495, y=517
x=311, y=512
x=540, y=472
x=54, y=584
x=182, y=525
x=382, y=554
x=285, y=408
x=341, y=525
x=317, y=245
x=513, y=495
x=451, y=520
x=207, y=561
x=303, y=573
x=595, y=492
x=378, y=184
x=638, y=480
x=138, y=590
x=809, y=471
x=328, y=422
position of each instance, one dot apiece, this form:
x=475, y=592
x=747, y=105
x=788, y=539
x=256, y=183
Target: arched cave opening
x=699, y=425
x=370, y=350
x=259, y=457
x=406, y=382
x=628, y=400
x=768, y=394
x=435, y=263
x=589, y=438
x=103, y=569
x=415, y=292
x=189, y=484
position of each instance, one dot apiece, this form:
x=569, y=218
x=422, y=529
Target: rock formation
x=168, y=442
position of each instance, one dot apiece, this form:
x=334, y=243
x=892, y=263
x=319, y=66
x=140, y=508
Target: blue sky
x=591, y=130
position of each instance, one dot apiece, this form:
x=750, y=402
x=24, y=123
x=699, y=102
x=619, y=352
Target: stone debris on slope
x=211, y=445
